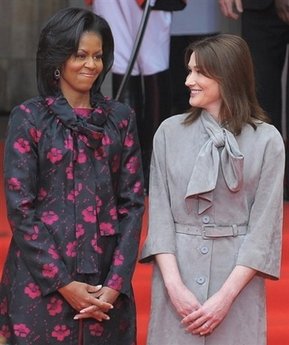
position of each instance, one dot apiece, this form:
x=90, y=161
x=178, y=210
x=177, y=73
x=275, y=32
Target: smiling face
x=204, y=91
x=81, y=70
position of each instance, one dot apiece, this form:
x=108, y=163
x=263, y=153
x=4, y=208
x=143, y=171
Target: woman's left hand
x=105, y=294
x=204, y=320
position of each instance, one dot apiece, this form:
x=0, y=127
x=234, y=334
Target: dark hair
x=226, y=58
x=59, y=39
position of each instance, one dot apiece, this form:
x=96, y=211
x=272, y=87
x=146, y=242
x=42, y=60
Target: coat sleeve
x=21, y=180
x=130, y=207
x=161, y=231
x=261, y=249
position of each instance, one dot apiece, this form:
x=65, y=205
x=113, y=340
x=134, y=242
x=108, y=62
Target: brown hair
x=226, y=58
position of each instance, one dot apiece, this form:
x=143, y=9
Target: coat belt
x=212, y=230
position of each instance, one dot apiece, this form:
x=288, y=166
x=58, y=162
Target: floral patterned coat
x=75, y=201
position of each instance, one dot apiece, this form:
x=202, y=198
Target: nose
x=90, y=62
x=189, y=80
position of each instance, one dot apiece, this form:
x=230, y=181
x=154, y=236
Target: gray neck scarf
x=220, y=151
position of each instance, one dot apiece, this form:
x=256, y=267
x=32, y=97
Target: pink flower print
x=99, y=110
x=137, y=188
x=99, y=154
x=113, y=213
x=49, y=270
x=71, y=249
x=24, y=108
x=96, y=329
x=53, y=252
x=83, y=138
x=22, y=145
x=118, y=258
x=106, y=140
x=99, y=203
x=35, y=134
x=89, y=214
x=32, y=290
x=25, y=204
x=115, y=163
x=69, y=172
x=49, y=100
x=123, y=124
x=79, y=230
x=14, y=184
x=49, y=217
x=21, y=330
x=115, y=282
x=97, y=135
x=123, y=211
x=74, y=193
x=33, y=234
x=133, y=165
x=54, y=306
x=68, y=143
x=106, y=229
x=81, y=157
x=129, y=140
x=124, y=325
x=54, y=155
x=41, y=194
x=60, y=332
x=95, y=245
x=3, y=307
x=5, y=332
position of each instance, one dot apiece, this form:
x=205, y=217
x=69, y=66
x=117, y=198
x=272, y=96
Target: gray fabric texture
x=215, y=202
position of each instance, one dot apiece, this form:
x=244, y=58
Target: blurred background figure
x=265, y=27
x=200, y=18
x=148, y=89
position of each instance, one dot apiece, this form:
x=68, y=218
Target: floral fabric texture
x=74, y=197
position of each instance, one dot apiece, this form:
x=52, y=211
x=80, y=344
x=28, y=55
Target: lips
x=195, y=91
x=88, y=75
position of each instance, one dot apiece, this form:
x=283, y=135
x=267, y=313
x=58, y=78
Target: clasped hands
x=90, y=301
x=199, y=318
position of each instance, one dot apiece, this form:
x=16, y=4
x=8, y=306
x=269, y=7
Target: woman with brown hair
x=216, y=196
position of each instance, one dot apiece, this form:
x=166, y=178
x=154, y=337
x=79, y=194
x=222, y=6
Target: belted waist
x=212, y=230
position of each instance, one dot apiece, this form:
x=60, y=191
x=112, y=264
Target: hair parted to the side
x=227, y=59
x=59, y=40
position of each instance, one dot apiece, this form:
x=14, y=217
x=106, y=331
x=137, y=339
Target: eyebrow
x=85, y=51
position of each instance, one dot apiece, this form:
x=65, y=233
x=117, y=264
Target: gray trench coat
x=215, y=202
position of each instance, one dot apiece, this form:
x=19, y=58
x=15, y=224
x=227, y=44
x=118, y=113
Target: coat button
x=206, y=219
x=204, y=250
x=201, y=280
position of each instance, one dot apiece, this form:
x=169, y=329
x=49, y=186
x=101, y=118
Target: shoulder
x=264, y=130
x=175, y=128
x=29, y=106
x=173, y=124
x=265, y=136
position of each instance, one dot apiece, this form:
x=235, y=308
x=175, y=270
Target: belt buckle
x=204, y=226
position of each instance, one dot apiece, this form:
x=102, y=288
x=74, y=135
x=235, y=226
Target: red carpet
x=278, y=298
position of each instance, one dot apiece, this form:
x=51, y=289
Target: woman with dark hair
x=74, y=197
x=215, y=213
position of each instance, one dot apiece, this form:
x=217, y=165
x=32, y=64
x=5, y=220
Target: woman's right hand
x=81, y=295
x=181, y=297
x=183, y=300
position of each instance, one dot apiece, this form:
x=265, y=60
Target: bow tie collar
x=219, y=151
